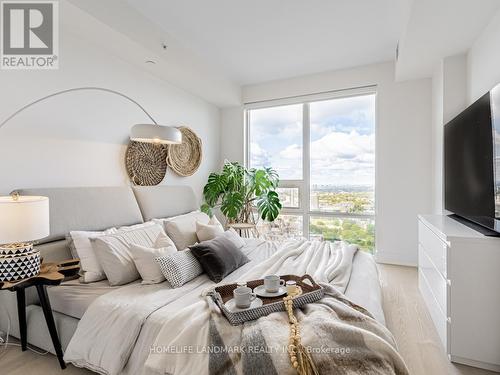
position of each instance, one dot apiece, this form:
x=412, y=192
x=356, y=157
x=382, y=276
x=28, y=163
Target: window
x=323, y=148
x=277, y=140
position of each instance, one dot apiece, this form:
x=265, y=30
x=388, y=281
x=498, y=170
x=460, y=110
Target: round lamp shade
x=23, y=219
x=152, y=133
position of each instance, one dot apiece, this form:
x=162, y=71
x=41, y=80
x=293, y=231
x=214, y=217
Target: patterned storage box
x=18, y=263
x=312, y=292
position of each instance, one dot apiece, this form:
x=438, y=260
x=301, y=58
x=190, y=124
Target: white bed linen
x=73, y=297
x=364, y=286
x=129, y=319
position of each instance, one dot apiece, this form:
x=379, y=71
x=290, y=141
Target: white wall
x=80, y=139
x=403, y=146
x=483, y=61
x=232, y=134
x=449, y=98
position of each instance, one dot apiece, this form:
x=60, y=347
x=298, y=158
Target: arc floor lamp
x=148, y=133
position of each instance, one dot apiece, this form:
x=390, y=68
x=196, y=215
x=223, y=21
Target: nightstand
x=50, y=274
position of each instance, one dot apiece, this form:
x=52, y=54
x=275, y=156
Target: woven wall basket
x=146, y=163
x=185, y=158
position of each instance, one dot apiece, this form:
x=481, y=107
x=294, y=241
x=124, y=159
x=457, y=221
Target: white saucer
x=261, y=291
x=231, y=305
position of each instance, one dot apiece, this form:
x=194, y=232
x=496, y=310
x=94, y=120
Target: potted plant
x=238, y=191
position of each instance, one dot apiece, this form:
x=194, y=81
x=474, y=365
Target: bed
x=98, y=208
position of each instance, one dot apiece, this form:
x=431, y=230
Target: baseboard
x=473, y=363
x=394, y=259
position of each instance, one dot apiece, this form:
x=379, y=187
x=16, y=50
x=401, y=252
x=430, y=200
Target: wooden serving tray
x=311, y=292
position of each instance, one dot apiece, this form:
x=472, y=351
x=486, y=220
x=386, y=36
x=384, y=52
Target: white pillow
x=179, y=267
x=115, y=255
x=209, y=231
x=182, y=229
x=144, y=260
x=138, y=226
x=81, y=247
x=235, y=237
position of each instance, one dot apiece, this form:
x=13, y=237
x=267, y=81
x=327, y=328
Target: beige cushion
x=182, y=229
x=144, y=260
x=115, y=254
x=209, y=231
x=81, y=247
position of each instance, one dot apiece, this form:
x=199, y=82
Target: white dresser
x=459, y=278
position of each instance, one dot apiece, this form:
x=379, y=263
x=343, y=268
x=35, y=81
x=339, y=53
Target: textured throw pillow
x=145, y=262
x=209, y=231
x=114, y=252
x=180, y=267
x=220, y=256
x=81, y=247
x=182, y=229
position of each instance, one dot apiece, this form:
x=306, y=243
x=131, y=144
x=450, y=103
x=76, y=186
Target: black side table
x=50, y=274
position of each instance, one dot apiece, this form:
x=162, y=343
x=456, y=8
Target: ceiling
x=214, y=47
x=262, y=40
x=437, y=29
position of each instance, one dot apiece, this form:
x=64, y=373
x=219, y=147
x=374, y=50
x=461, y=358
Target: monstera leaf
x=261, y=182
x=269, y=205
x=232, y=204
x=273, y=177
x=234, y=174
x=214, y=188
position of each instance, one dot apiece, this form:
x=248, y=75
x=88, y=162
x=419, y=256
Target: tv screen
x=471, y=163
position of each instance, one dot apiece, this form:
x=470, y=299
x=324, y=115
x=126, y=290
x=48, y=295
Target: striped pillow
x=114, y=252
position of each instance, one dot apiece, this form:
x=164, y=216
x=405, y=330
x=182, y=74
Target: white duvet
x=120, y=328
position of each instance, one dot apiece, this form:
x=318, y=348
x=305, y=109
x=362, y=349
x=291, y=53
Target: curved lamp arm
x=77, y=89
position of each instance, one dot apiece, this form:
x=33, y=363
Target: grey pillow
x=220, y=256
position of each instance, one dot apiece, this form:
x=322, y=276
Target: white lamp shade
x=152, y=133
x=24, y=219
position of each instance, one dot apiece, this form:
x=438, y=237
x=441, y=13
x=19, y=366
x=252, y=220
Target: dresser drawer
x=434, y=247
x=438, y=318
x=437, y=283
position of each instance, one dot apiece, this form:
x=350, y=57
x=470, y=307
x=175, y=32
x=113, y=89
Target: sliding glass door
x=324, y=151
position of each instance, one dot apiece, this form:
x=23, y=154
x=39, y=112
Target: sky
x=342, y=140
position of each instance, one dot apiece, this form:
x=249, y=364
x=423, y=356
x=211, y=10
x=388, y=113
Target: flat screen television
x=472, y=164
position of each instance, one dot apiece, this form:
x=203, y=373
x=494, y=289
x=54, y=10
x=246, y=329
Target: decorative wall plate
x=146, y=163
x=185, y=158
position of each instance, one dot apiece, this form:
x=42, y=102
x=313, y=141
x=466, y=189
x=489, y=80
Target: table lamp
x=23, y=219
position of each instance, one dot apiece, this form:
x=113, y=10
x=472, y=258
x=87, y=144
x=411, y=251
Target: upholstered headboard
x=88, y=208
x=165, y=201
x=99, y=208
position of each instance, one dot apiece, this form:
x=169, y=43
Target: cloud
x=282, y=121
x=337, y=156
x=343, y=114
x=342, y=140
x=259, y=157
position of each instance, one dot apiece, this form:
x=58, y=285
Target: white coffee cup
x=272, y=283
x=243, y=297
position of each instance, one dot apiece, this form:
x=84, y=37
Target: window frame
x=303, y=185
